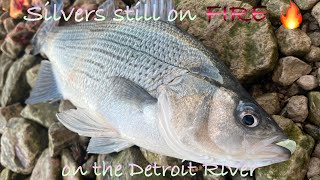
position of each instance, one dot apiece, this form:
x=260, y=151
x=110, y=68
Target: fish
x=150, y=84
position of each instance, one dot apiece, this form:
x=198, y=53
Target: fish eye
x=249, y=120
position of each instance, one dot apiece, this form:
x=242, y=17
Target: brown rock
x=307, y=82
x=313, y=55
x=68, y=163
x=5, y=64
x=6, y=113
x=314, y=167
x=316, y=12
x=305, y=4
x=289, y=70
x=315, y=38
x=32, y=75
x=297, y=108
x=269, y=102
x=316, y=152
x=293, y=42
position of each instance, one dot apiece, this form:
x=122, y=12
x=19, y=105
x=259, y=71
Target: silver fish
x=149, y=84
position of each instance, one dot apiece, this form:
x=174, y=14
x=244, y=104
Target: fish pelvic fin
x=46, y=88
x=53, y=10
x=106, y=145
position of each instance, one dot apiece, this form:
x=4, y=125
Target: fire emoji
x=293, y=18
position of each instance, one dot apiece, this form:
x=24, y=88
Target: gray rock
x=316, y=12
x=289, y=70
x=88, y=166
x=314, y=167
x=316, y=152
x=21, y=144
x=297, y=108
x=315, y=178
x=68, y=164
x=293, y=42
x=42, y=113
x=32, y=75
x=16, y=86
x=239, y=177
x=305, y=4
x=314, y=107
x=296, y=167
x=274, y=8
x=59, y=138
x=269, y=102
x=5, y=64
x=6, y=113
x=315, y=38
x=66, y=105
x=6, y=174
x=124, y=158
x=160, y=159
x=47, y=168
x=313, y=131
x=313, y=55
x=8, y=24
x=307, y=82
x=250, y=49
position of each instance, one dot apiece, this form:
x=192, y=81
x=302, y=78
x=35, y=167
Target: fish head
x=243, y=132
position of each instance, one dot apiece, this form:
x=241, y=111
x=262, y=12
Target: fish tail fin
x=53, y=11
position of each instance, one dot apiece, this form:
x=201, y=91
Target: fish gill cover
x=113, y=98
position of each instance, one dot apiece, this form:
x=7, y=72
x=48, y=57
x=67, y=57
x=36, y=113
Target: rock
x=289, y=70
x=88, y=166
x=123, y=159
x=314, y=107
x=296, y=166
x=239, y=177
x=314, y=167
x=274, y=8
x=305, y=4
x=315, y=38
x=269, y=102
x=315, y=177
x=313, y=55
x=311, y=22
x=32, y=75
x=42, y=113
x=160, y=159
x=68, y=165
x=16, y=86
x=6, y=174
x=59, y=138
x=313, y=131
x=297, y=108
x=21, y=143
x=293, y=42
x=46, y=168
x=316, y=12
x=294, y=89
x=6, y=113
x=316, y=152
x=66, y=105
x=250, y=49
x=307, y=82
x=8, y=24
x=5, y=64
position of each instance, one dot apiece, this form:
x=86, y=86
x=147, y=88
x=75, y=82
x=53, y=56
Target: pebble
x=313, y=55
x=32, y=74
x=6, y=113
x=46, y=168
x=313, y=131
x=6, y=174
x=314, y=167
x=308, y=82
x=5, y=64
x=26, y=137
x=88, y=166
x=293, y=42
x=269, y=102
x=289, y=70
x=8, y=24
x=68, y=161
x=297, y=108
x=315, y=38
x=16, y=86
x=42, y=113
x=314, y=107
x=316, y=152
x=305, y=4
x=59, y=138
x=316, y=12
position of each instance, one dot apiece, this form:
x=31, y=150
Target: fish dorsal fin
x=46, y=88
x=159, y=9
x=106, y=145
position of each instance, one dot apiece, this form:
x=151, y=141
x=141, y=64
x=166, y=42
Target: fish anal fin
x=46, y=88
x=106, y=145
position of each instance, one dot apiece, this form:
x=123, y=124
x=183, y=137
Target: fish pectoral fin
x=46, y=88
x=86, y=124
x=106, y=145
